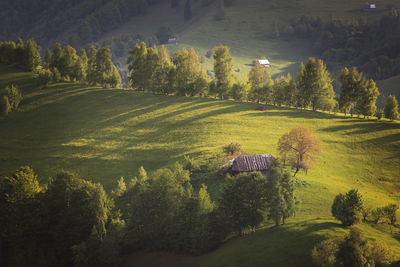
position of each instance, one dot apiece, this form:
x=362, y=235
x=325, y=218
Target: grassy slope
x=103, y=134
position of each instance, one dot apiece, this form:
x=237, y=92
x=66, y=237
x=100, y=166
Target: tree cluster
x=25, y=56
x=69, y=221
x=153, y=70
x=63, y=222
x=354, y=250
x=357, y=94
x=372, y=46
x=95, y=68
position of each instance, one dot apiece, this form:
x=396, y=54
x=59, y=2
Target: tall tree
x=136, y=66
x=260, y=84
x=280, y=188
x=314, y=85
x=223, y=69
x=162, y=74
x=300, y=147
x=186, y=71
x=56, y=56
x=32, y=57
x=391, y=108
x=352, y=83
x=243, y=201
x=366, y=102
x=91, y=65
x=47, y=59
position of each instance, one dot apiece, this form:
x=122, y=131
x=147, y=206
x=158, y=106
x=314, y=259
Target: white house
x=264, y=62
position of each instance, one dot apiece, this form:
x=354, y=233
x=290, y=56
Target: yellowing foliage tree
x=300, y=147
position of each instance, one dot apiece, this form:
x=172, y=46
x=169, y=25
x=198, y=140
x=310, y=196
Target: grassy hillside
x=103, y=134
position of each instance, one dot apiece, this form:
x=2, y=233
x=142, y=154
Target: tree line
x=153, y=70
x=62, y=64
x=69, y=221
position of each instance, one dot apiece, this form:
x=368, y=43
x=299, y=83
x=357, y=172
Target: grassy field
x=103, y=134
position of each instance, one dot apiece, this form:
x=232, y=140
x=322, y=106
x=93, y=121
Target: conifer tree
x=162, y=83
x=301, y=84
x=352, y=83
x=391, y=108
x=136, y=66
x=223, y=69
x=91, y=65
x=366, y=101
x=47, y=59
x=56, y=56
x=32, y=57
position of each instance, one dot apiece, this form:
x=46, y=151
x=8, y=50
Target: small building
x=250, y=163
x=368, y=6
x=172, y=41
x=264, y=62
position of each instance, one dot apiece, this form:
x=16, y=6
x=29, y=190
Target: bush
x=190, y=164
x=324, y=254
x=347, y=208
x=381, y=254
x=5, y=106
x=232, y=149
x=45, y=76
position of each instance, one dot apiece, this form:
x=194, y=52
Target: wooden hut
x=250, y=163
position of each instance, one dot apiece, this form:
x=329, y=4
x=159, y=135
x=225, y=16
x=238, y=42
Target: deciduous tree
x=347, y=208
x=300, y=147
x=223, y=69
x=391, y=108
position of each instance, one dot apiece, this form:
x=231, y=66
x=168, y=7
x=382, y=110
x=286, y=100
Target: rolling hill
x=103, y=134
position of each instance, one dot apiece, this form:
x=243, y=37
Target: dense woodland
x=69, y=221
x=374, y=47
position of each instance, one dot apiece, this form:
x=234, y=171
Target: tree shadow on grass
x=362, y=126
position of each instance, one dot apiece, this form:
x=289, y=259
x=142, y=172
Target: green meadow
x=103, y=134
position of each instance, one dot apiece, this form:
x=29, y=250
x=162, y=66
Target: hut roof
x=249, y=163
x=263, y=61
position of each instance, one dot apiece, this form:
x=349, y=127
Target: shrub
x=381, y=254
x=377, y=214
x=324, y=254
x=5, y=106
x=232, y=149
x=347, y=208
x=45, y=76
x=190, y=164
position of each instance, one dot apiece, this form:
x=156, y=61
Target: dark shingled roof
x=249, y=163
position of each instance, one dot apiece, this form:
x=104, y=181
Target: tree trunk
x=277, y=220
